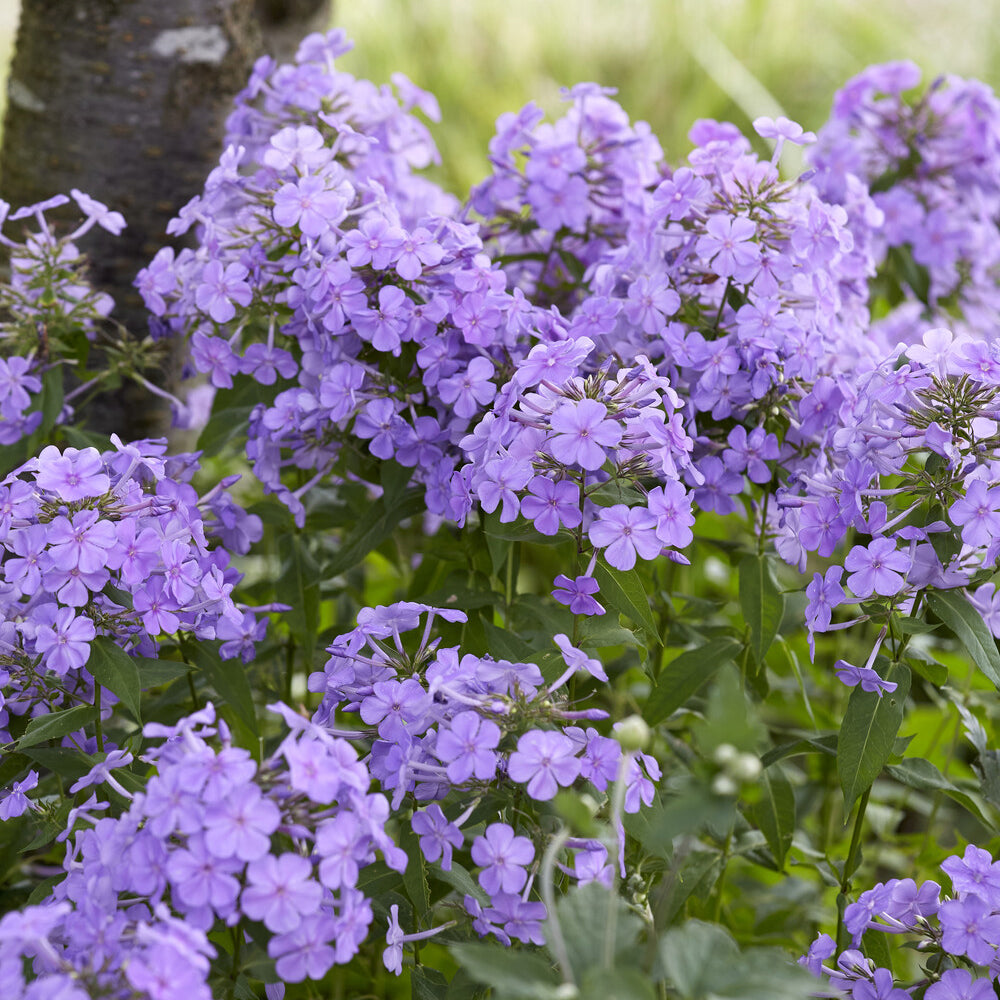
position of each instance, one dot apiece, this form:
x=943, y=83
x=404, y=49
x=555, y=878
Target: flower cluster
x=447, y=720
x=112, y=544
x=956, y=937
x=213, y=839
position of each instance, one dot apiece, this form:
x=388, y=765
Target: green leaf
x=583, y=917
x=112, y=667
x=56, y=725
x=415, y=875
x=925, y=777
x=825, y=744
x=298, y=586
x=154, y=672
x=222, y=427
x=229, y=678
x=52, y=398
x=427, y=984
x=959, y=615
x=373, y=528
x=761, y=602
x=624, y=592
x=517, y=974
x=459, y=879
x=774, y=814
x=685, y=674
x=868, y=731
x=689, y=953
x=617, y=984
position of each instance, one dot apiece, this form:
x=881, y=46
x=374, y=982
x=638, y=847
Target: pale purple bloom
x=582, y=432
x=551, y=505
x=223, y=288
x=577, y=594
x=280, y=891
x=437, y=834
x=467, y=745
x=545, y=759
x=502, y=856
x=623, y=532
x=876, y=568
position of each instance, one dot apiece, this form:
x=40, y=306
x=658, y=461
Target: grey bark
x=125, y=100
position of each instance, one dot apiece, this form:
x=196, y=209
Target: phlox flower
x=623, y=532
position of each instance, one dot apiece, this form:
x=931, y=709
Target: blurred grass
x=672, y=60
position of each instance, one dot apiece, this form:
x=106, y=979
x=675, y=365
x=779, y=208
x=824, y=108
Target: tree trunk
x=125, y=100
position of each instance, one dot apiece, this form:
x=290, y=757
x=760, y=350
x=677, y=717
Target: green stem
x=557, y=942
x=851, y=864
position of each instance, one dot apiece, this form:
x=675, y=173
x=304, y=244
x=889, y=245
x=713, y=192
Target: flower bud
x=746, y=767
x=722, y=784
x=725, y=754
x=632, y=733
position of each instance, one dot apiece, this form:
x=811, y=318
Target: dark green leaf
x=415, y=875
x=761, y=602
x=959, y=615
x=427, y=984
x=373, y=528
x=153, y=673
x=56, y=725
x=868, y=731
x=624, y=592
x=826, y=744
x=685, y=674
x=229, y=678
x=222, y=427
x=298, y=586
x=113, y=668
x=774, y=814
x=924, y=776
x=690, y=952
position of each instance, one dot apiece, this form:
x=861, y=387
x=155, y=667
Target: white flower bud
x=632, y=733
x=746, y=767
x=722, y=784
x=725, y=754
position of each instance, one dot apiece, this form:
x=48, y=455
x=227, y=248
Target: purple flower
x=502, y=857
x=869, y=680
x=623, y=532
x=220, y=288
x=306, y=951
x=72, y=474
x=280, y=891
x=65, y=644
x=576, y=593
x=978, y=513
x=467, y=745
x=241, y=824
x=976, y=872
x=958, y=984
x=545, y=760
x=469, y=390
x=727, y=245
x=671, y=506
x=15, y=802
x=970, y=927
x=582, y=432
x=876, y=568
x=308, y=204
x=551, y=505
x=437, y=834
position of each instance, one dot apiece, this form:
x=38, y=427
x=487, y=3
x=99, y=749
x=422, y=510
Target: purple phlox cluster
x=907, y=462
x=392, y=324
x=926, y=163
x=966, y=926
x=115, y=544
x=446, y=720
x=562, y=448
x=212, y=838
